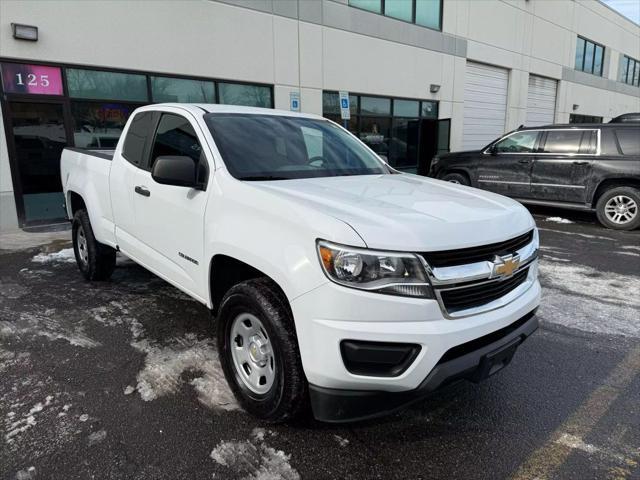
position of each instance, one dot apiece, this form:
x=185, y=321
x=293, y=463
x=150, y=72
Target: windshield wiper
x=256, y=178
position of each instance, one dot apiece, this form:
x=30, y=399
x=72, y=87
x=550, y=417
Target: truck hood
x=407, y=212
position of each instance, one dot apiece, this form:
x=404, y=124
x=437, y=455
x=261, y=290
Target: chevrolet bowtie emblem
x=505, y=266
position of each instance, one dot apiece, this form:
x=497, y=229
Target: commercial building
x=422, y=75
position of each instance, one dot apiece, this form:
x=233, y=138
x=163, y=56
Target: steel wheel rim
x=621, y=209
x=252, y=354
x=83, y=251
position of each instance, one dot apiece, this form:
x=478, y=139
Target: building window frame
x=630, y=71
x=595, y=45
x=413, y=13
x=577, y=118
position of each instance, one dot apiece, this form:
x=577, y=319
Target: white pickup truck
x=333, y=278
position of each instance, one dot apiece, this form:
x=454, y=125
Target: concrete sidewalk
x=21, y=239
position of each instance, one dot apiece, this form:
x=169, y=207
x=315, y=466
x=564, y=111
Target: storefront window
x=406, y=108
x=166, y=89
x=241, y=94
x=375, y=132
x=106, y=85
x=375, y=106
x=429, y=110
x=98, y=124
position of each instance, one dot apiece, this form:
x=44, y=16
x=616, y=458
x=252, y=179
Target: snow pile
x=558, y=220
x=254, y=462
x=63, y=256
x=581, y=297
x=164, y=366
x=48, y=325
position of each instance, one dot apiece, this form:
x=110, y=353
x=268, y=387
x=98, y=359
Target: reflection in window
x=589, y=56
x=98, y=84
x=406, y=108
x=630, y=71
x=521, y=142
x=428, y=13
x=375, y=105
x=375, y=131
x=176, y=137
x=248, y=95
x=400, y=9
x=563, y=141
x=371, y=5
x=99, y=124
x=165, y=89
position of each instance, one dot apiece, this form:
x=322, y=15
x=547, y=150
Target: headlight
x=375, y=271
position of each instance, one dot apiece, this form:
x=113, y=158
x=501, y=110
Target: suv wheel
x=258, y=351
x=95, y=260
x=619, y=208
x=458, y=178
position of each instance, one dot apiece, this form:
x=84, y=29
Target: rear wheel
x=458, y=178
x=619, y=208
x=95, y=260
x=258, y=351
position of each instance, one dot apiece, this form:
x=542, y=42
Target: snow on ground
x=63, y=256
x=46, y=324
x=581, y=297
x=254, y=461
x=558, y=220
x=165, y=364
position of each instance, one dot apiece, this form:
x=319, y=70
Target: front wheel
x=258, y=351
x=619, y=208
x=458, y=178
x=95, y=260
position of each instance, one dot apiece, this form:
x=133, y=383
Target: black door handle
x=577, y=162
x=142, y=191
x=524, y=160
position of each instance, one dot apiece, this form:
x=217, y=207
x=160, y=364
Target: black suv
x=585, y=166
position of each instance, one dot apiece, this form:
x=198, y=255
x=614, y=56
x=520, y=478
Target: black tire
x=287, y=397
x=95, y=260
x=459, y=178
x=607, y=201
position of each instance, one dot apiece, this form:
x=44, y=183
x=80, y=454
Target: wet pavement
x=120, y=380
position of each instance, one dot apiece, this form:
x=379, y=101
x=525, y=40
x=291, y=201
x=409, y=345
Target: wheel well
x=225, y=272
x=454, y=170
x=76, y=202
x=612, y=183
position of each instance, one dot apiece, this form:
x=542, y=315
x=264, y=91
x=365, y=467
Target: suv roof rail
x=626, y=118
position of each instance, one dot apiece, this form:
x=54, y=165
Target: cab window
x=519, y=142
x=175, y=136
x=570, y=142
x=136, y=139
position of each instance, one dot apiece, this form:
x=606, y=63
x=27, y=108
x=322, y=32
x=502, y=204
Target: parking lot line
x=547, y=459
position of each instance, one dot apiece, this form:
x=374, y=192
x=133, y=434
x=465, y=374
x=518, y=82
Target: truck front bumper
x=474, y=361
x=331, y=315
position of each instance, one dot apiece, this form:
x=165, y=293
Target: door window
x=136, y=139
x=519, y=142
x=564, y=141
x=175, y=136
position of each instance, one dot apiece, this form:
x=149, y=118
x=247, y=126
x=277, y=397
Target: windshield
x=271, y=147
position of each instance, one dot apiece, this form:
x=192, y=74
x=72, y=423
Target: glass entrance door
x=39, y=135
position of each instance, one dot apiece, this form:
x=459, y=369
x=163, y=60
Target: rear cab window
x=138, y=134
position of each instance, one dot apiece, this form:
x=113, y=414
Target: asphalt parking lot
x=120, y=380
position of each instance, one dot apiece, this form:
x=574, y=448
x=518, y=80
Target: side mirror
x=178, y=170
x=492, y=150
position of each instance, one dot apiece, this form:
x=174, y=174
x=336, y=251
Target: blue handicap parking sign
x=345, y=103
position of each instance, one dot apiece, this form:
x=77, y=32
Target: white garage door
x=485, y=105
x=541, y=101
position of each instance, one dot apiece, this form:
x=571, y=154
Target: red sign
x=33, y=79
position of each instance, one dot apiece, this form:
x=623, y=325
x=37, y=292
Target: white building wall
x=308, y=46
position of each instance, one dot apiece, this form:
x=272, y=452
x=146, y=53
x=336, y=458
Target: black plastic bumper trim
x=339, y=406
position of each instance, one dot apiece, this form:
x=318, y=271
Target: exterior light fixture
x=24, y=32
x=576, y=106
x=433, y=88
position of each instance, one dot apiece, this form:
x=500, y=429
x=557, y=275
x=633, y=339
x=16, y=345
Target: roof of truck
x=220, y=108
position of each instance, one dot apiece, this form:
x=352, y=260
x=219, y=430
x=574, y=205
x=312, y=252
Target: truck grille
x=449, y=258
x=475, y=295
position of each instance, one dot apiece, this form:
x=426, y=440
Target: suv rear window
x=571, y=141
x=629, y=140
x=136, y=139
